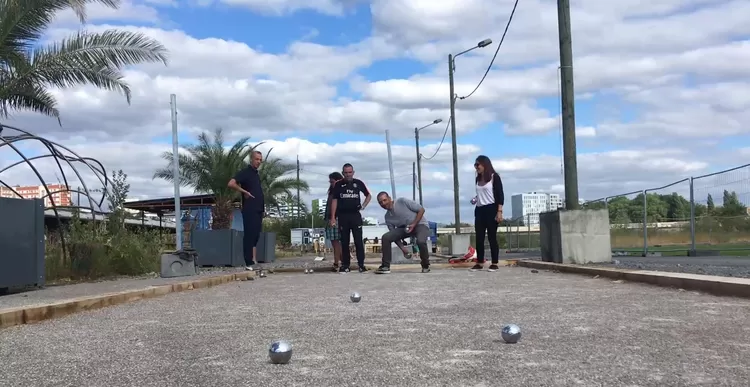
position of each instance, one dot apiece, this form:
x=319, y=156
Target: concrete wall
x=460, y=244
x=576, y=236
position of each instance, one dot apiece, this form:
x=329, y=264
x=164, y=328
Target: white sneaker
x=249, y=268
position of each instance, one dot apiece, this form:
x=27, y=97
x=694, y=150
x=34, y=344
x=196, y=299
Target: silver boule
x=356, y=297
x=262, y=274
x=511, y=333
x=280, y=352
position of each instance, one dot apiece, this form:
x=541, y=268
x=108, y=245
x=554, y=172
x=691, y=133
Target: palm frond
x=83, y=59
x=94, y=59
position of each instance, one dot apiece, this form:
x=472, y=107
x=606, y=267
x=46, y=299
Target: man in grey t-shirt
x=404, y=218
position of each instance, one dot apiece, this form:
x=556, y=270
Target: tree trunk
x=222, y=214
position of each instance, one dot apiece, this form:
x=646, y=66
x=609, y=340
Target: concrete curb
x=35, y=313
x=722, y=286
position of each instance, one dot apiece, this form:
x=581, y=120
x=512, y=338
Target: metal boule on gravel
x=280, y=352
x=511, y=333
x=355, y=297
x=262, y=274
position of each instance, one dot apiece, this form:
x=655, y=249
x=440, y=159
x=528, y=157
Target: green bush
x=100, y=250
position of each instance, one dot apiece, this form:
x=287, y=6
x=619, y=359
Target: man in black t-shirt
x=247, y=183
x=346, y=206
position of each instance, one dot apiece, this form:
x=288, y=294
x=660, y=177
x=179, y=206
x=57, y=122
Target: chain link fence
x=701, y=213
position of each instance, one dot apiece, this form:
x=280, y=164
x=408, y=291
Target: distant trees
x=668, y=208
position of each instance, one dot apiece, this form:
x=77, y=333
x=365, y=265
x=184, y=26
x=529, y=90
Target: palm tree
x=28, y=71
x=279, y=185
x=206, y=167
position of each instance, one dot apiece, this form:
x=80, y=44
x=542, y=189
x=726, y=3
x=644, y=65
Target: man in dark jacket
x=247, y=183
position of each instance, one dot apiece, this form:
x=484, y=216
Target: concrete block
x=397, y=256
x=575, y=236
x=178, y=264
x=459, y=244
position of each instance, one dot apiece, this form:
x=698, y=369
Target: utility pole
x=390, y=162
x=419, y=165
x=456, y=208
x=299, y=217
x=570, y=162
x=414, y=181
x=176, y=174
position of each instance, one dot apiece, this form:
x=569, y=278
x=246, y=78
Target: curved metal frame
x=55, y=152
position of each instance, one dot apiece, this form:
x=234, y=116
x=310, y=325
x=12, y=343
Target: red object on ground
x=470, y=256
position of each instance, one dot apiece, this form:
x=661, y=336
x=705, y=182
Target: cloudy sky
x=663, y=92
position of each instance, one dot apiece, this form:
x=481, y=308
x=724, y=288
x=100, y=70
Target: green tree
x=710, y=206
x=207, y=167
x=678, y=208
x=280, y=184
x=732, y=206
x=117, y=193
x=29, y=69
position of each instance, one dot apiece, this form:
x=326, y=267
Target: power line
x=496, y=51
x=441, y=141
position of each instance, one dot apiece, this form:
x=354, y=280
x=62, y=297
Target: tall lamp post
x=451, y=70
x=419, y=156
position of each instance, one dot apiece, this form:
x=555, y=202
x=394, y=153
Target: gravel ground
x=67, y=291
x=719, y=266
x=411, y=329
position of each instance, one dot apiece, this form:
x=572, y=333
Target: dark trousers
x=252, y=222
x=486, y=225
x=351, y=223
x=420, y=233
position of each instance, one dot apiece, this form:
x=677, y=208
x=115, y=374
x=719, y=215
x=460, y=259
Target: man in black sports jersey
x=348, y=209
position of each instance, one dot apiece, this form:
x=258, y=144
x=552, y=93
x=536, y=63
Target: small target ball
x=356, y=297
x=280, y=352
x=511, y=333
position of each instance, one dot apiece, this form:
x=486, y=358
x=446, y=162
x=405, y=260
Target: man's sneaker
x=343, y=270
x=426, y=269
x=477, y=267
x=249, y=268
x=363, y=269
x=383, y=270
x=493, y=267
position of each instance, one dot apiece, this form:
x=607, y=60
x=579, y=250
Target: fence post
x=692, y=218
x=528, y=231
x=606, y=203
x=645, y=223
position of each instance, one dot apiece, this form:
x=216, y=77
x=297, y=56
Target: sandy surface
x=411, y=329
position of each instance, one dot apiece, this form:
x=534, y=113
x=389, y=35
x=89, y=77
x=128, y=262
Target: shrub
x=99, y=250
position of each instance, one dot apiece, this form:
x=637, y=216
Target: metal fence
x=708, y=212
x=519, y=234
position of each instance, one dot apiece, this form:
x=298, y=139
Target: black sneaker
x=426, y=269
x=343, y=270
x=493, y=267
x=363, y=269
x=477, y=267
x=383, y=270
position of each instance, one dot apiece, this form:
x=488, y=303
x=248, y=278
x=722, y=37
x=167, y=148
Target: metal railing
x=707, y=212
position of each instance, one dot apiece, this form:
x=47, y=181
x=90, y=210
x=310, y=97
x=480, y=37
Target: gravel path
x=60, y=292
x=410, y=329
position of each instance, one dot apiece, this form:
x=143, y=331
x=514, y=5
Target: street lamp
x=419, y=156
x=451, y=69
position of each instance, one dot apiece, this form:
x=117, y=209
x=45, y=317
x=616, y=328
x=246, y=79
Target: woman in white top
x=488, y=212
